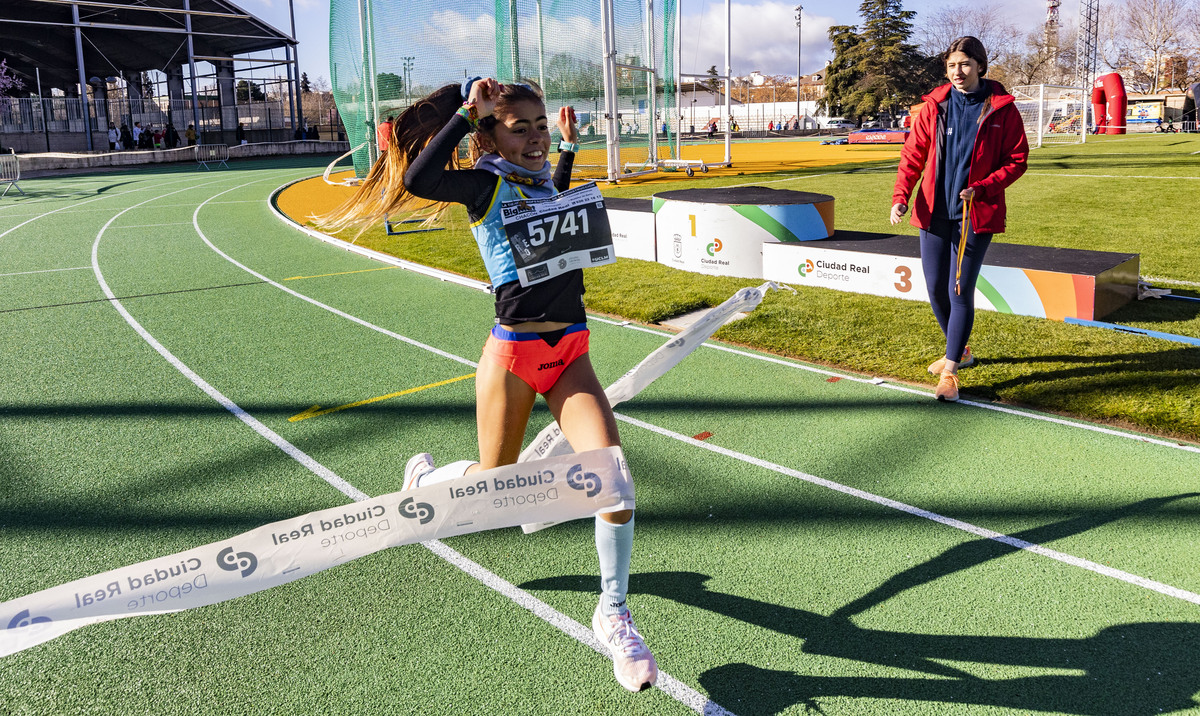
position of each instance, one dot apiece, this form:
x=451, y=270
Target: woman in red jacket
x=966, y=146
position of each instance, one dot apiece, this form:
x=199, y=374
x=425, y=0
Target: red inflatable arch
x=1109, y=103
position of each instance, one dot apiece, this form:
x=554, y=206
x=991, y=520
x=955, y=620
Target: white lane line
x=26, y=273
x=99, y=198
x=1072, y=560
x=313, y=301
x=678, y=690
x=151, y=226
x=668, y=684
x=879, y=382
x=973, y=529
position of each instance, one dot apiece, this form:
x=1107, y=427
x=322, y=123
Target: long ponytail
x=382, y=193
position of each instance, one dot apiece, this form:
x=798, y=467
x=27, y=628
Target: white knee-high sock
x=614, y=546
x=452, y=471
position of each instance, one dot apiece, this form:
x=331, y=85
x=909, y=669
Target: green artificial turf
x=1131, y=194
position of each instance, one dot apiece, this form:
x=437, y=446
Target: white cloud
x=763, y=38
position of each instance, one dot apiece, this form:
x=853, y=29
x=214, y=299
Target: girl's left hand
x=566, y=125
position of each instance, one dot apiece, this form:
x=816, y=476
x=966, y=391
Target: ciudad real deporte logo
x=23, y=619
x=244, y=562
x=414, y=510
x=715, y=247
x=806, y=268
x=581, y=480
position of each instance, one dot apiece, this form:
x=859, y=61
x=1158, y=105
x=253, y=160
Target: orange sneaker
x=968, y=360
x=947, y=388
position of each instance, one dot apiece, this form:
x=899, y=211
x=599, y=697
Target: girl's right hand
x=898, y=212
x=483, y=95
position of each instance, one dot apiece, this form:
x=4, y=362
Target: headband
x=465, y=88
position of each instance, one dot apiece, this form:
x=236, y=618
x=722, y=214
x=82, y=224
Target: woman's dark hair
x=971, y=47
x=382, y=193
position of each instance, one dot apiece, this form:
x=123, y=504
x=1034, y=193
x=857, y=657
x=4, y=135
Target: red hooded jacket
x=997, y=160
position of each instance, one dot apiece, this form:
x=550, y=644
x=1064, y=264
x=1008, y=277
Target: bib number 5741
x=565, y=223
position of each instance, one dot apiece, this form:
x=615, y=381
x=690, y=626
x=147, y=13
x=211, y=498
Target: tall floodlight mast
x=1085, y=52
x=1050, y=29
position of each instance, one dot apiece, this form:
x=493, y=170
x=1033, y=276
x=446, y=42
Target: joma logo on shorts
x=553, y=364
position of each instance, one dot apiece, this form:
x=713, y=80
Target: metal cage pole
x=728, y=83
x=611, y=128
x=83, y=86
x=678, y=78
x=651, y=85
x=191, y=50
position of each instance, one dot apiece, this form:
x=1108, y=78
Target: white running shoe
x=418, y=466
x=633, y=664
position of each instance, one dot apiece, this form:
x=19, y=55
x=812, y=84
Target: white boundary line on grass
x=880, y=382
x=26, y=273
x=957, y=524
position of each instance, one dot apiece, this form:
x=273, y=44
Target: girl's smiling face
x=962, y=71
x=522, y=135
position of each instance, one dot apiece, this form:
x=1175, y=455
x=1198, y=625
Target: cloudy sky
x=764, y=34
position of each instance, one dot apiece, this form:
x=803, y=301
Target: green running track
x=833, y=545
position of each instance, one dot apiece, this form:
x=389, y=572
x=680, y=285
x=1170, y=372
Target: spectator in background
x=383, y=135
x=312, y=133
x=966, y=147
x=172, y=139
x=190, y=135
x=127, y=142
x=159, y=136
x=113, y=137
x=137, y=135
x=239, y=134
x=145, y=139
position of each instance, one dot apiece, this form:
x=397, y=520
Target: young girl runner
x=539, y=344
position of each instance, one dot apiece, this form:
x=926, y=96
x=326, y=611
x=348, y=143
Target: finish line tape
x=551, y=442
x=563, y=488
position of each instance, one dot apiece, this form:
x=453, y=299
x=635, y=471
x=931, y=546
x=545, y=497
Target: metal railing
x=10, y=172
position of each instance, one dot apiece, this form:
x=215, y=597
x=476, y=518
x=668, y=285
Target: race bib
x=552, y=235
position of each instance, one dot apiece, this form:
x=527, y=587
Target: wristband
x=470, y=113
x=568, y=146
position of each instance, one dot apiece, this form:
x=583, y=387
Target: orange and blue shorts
x=531, y=358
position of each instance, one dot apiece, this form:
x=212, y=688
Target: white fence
x=65, y=114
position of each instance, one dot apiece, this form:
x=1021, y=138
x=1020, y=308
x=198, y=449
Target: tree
x=305, y=85
x=1154, y=30
x=842, y=73
x=9, y=82
x=892, y=70
x=249, y=92
x=713, y=84
x=389, y=85
x=938, y=29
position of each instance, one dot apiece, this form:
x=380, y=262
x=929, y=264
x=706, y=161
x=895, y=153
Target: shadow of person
x=1123, y=670
x=970, y=554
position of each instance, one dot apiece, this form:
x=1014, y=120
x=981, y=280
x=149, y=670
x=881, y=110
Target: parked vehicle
x=838, y=123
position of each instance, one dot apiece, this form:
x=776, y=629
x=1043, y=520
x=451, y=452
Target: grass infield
x=1134, y=193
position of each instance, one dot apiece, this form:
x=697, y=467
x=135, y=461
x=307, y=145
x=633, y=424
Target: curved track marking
x=679, y=691
x=106, y=196
x=879, y=499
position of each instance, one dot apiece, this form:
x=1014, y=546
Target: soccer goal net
x=386, y=55
x=1053, y=114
